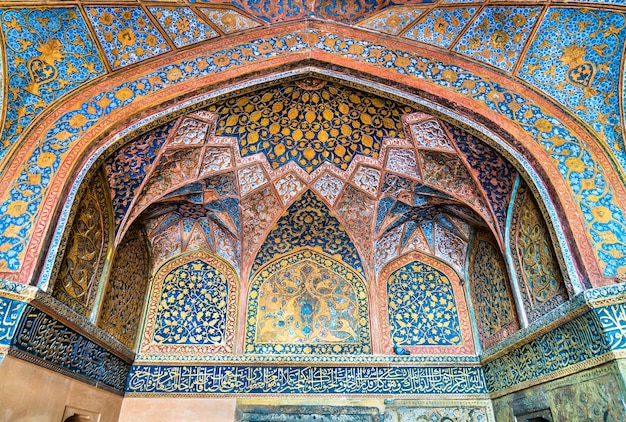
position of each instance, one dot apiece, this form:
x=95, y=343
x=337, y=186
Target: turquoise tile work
x=127, y=35
x=498, y=35
x=182, y=25
x=441, y=26
x=576, y=59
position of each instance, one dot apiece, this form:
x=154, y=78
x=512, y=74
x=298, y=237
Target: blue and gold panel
x=192, y=308
x=422, y=308
x=498, y=35
x=308, y=223
x=441, y=26
x=494, y=173
x=310, y=122
x=49, y=52
x=307, y=303
x=87, y=246
x=125, y=292
x=491, y=292
x=126, y=34
x=534, y=259
x=576, y=59
x=182, y=25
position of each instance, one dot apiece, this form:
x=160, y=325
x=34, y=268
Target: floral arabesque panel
x=310, y=122
x=124, y=295
x=192, y=308
x=538, y=274
x=88, y=243
x=491, y=292
x=307, y=303
x=308, y=223
x=422, y=308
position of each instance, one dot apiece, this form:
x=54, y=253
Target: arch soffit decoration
x=91, y=138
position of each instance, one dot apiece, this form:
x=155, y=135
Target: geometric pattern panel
x=491, y=293
x=494, y=173
x=87, y=247
x=489, y=38
x=49, y=52
x=430, y=134
x=310, y=122
x=128, y=280
x=534, y=258
x=575, y=58
x=448, y=173
x=259, y=211
x=402, y=161
x=127, y=35
x=307, y=303
x=449, y=246
x=423, y=309
x=191, y=309
x=308, y=223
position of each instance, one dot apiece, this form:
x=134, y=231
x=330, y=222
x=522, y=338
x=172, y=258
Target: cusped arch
x=71, y=137
x=192, y=308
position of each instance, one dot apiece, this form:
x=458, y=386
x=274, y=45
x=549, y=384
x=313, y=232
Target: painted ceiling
x=246, y=171
x=570, y=54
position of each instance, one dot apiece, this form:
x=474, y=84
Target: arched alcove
x=312, y=210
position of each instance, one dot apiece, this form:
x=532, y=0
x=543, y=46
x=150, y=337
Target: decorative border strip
x=271, y=380
x=251, y=358
x=577, y=341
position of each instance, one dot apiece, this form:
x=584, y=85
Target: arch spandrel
x=368, y=55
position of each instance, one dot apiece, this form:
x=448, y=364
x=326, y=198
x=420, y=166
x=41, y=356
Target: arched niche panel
x=534, y=259
x=87, y=246
x=422, y=308
x=491, y=291
x=126, y=288
x=191, y=309
x=307, y=303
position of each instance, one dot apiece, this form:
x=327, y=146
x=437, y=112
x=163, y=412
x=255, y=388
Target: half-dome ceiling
x=396, y=179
